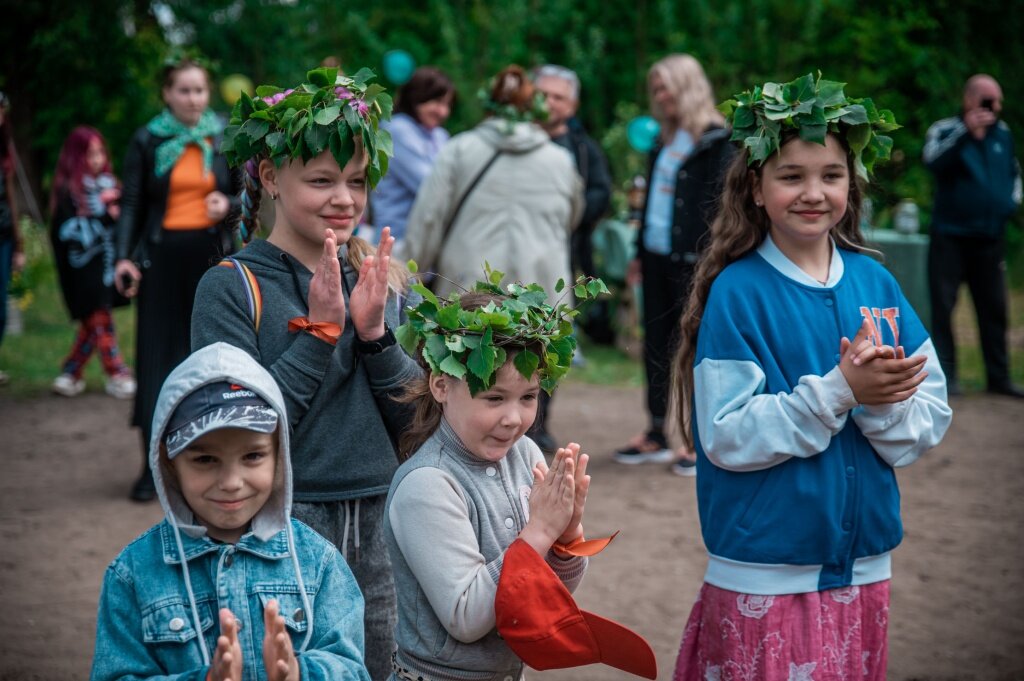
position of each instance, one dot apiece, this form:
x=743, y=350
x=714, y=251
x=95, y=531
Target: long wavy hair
x=684, y=77
x=427, y=417
x=72, y=165
x=739, y=228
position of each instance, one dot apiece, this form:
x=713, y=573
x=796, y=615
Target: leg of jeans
x=986, y=279
x=665, y=287
x=657, y=310
x=371, y=565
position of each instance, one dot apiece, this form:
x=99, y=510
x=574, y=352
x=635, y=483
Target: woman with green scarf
x=178, y=203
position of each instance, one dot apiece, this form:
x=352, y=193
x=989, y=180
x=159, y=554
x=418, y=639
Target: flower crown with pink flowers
x=328, y=112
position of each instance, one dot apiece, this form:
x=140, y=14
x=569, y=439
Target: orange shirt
x=186, y=198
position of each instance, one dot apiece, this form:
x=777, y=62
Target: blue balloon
x=398, y=66
x=642, y=132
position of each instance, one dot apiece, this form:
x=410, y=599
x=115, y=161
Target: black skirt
x=163, y=335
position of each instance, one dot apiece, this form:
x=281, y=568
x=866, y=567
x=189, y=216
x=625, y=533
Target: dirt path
x=958, y=591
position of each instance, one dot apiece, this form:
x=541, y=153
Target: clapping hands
x=279, y=658
x=879, y=374
x=227, y=657
x=557, y=500
x=369, y=297
x=278, y=654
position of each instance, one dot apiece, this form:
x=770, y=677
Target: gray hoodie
x=338, y=402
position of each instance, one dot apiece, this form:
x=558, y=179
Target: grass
x=33, y=359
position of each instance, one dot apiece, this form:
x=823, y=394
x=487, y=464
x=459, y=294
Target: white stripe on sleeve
x=743, y=429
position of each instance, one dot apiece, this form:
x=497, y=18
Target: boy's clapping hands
x=278, y=654
x=227, y=658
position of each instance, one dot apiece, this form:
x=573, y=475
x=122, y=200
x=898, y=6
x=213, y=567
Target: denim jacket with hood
x=153, y=603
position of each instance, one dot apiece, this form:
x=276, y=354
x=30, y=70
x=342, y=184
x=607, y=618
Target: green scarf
x=180, y=135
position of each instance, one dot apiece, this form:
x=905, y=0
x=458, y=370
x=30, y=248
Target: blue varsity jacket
x=796, y=488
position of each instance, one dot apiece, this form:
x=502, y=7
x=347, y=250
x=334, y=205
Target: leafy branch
x=471, y=344
x=813, y=107
x=328, y=112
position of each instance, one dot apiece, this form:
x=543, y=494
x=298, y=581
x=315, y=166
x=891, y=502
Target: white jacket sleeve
x=902, y=432
x=742, y=429
x=430, y=521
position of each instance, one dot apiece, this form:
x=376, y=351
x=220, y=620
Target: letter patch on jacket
x=878, y=320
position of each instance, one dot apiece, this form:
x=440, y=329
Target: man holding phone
x=977, y=189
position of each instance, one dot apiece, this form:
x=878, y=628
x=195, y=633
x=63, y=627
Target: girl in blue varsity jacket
x=799, y=429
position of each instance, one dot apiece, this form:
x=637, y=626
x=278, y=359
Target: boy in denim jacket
x=269, y=598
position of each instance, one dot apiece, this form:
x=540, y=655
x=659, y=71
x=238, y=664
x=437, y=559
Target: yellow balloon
x=232, y=87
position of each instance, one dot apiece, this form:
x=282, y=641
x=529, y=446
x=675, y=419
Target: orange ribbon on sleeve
x=582, y=547
x=325, y=331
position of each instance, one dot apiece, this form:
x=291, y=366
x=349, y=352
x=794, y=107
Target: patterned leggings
x=96, y=332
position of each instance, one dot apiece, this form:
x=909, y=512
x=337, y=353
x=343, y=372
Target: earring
x=758, y=203
x=273, y=196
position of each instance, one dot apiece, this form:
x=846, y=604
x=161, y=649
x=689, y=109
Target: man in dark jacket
x=561, y=88
x=977, y=189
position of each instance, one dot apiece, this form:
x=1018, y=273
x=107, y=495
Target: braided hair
x=251, y=196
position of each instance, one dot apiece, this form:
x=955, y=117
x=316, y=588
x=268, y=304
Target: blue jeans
x=6, y=268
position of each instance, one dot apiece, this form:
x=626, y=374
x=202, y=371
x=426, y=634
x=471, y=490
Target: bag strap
x=250, y=286
x=462, y=201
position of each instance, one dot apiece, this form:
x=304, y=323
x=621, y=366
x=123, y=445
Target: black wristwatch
x=378, y=346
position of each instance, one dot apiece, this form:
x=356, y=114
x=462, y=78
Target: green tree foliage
x=66, y=64
x=911, y=57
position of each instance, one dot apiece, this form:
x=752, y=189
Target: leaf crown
x=471, y=344
x=813, y=107
x=327, y=112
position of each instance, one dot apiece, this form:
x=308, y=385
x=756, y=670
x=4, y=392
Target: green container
x=906, y=256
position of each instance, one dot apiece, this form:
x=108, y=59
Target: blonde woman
x=683, y=187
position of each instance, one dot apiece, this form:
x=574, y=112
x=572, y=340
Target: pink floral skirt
x=820, y=636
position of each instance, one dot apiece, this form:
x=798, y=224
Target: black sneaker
x=645, y=451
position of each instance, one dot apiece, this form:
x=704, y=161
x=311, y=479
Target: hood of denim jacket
x=211, y=364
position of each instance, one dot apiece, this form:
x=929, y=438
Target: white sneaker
x=121, y=387
x=66, y=385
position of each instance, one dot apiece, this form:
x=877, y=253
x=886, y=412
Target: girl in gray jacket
x=474, y=482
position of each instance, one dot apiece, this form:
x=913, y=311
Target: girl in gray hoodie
x=315, y=305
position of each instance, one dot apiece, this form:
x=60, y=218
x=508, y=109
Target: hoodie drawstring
x=200, y=639
x=306, y=604
x=344, y=533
